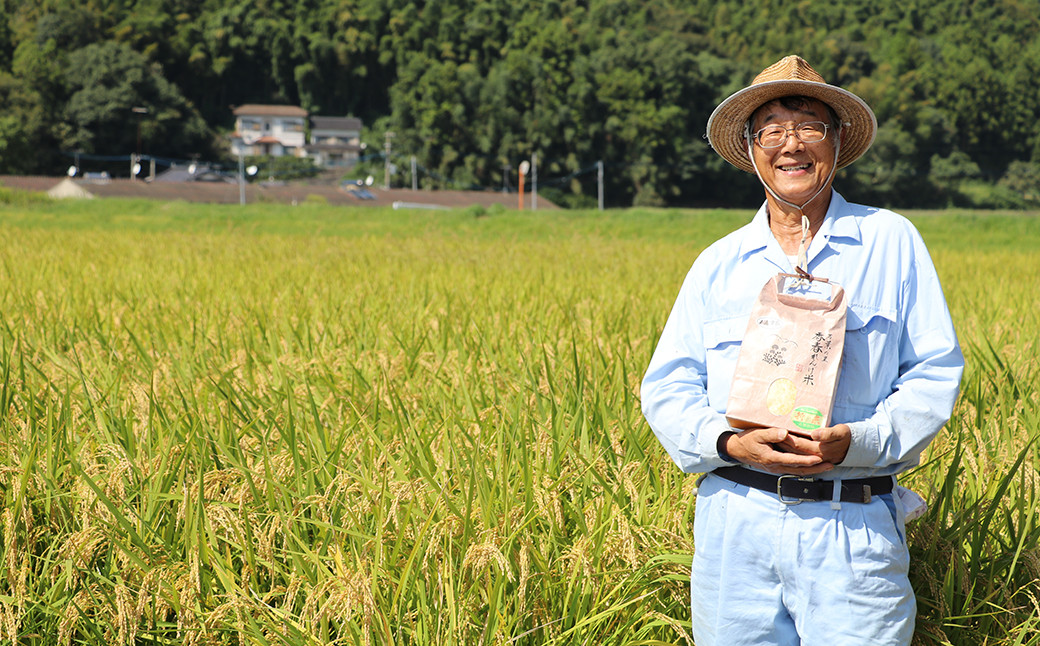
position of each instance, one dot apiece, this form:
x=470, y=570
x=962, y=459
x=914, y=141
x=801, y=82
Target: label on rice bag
x=807, y=417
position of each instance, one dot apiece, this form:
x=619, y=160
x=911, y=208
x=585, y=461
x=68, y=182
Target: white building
x=274, y=130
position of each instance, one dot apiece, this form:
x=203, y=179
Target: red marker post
x=524, y=167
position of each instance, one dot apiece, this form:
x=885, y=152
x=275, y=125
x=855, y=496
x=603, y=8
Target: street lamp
x=242, y=172
x=75, y=168
x=135, y=163
x=386, y=159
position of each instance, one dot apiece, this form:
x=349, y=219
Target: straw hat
x=789, y=76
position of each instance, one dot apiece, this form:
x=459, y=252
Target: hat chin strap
x=802, y=251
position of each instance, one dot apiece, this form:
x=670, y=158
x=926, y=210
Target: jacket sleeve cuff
x=711, y=435
x=865, y=447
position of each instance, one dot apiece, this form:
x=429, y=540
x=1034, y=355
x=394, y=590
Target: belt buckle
x=779, y=489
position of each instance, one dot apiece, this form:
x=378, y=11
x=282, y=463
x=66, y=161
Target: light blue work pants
x=802, y=575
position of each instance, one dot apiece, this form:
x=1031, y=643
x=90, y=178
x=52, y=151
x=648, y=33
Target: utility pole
x=241, y=179
x=599, y=182
x=386, y=159
x=415, y=176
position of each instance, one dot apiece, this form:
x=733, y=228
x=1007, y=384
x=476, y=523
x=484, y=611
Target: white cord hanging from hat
x=802, y=261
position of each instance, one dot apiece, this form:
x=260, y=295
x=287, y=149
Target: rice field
x=316, y=425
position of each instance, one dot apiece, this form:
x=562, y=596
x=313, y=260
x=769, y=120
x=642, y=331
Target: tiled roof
x=346, y=124
x=260, y=110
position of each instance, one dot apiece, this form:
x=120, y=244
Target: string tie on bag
x=801, y=266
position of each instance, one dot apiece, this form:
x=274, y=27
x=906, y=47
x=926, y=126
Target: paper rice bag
x=790, y=358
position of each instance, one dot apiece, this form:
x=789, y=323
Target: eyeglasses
x=774, y=136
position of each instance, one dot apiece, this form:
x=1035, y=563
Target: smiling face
x=795, y=170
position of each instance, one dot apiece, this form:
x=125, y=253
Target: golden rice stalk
x=74, y=610
x=546, y=499
x=442, y=532
x=480, y=556
x=188, y=587
x=408, y=491
x=11, y=619
x=232, y=612
x=10, y=542
x=148, y=592
x=127, y=616
x=140, y=407
x=621, y=543
x=293, y=589
x=680, y=630
x=627, y=476
x=578, y=556
x=80, y=548
x=345, y=595
x=525, y=575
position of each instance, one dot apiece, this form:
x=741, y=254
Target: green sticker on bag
x=807, y=417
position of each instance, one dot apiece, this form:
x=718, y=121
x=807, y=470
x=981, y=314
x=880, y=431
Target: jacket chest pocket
x=722, y=347
x=869, y=364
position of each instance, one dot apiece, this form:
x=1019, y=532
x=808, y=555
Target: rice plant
x=356, y=426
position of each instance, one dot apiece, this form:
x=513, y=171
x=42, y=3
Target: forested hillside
x=472, y=88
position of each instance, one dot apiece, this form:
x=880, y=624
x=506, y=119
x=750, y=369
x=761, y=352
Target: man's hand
x=779, y=451
x=830, y=444
x=834, y=442
x=775, y=450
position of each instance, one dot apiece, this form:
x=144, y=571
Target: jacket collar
x=839, y=222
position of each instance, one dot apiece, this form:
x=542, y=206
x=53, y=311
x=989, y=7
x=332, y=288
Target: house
x=274, y=130
x=334, y=141
x=279, y=130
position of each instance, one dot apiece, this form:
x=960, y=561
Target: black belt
x=795, y=489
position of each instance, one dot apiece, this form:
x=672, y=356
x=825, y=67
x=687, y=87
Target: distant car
x=358, y=190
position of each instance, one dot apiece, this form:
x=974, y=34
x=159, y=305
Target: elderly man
x=826, y=561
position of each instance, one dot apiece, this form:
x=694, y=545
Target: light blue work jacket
x=901, y=365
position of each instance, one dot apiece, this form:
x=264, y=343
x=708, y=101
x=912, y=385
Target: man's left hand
x=831, y=444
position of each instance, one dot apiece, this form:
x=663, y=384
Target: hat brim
x=726, y=124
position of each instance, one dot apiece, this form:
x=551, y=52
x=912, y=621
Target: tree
x=19, y=127
x=1023, y=179
x=955, y=168
x=471, y=87
x=106, y=82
